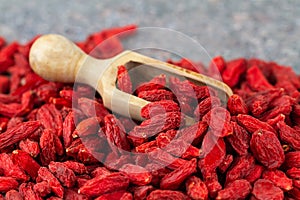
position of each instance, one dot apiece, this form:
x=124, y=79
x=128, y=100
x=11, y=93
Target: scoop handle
x=55, y=58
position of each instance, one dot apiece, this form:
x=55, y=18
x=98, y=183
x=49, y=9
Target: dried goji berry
x=159, y=107
x=267, y=149
x=68, y=128
x=42, y=188
x=225, y=164
x=218, y=120
x=236, y=105
x=213, y=151
x=13, y=195
x=167, y=194
x=71, y=194
x=156, y=95
x=141, y=192
x=193, y=134
x=45, y=91
x=137, y=174
x=296, y=183
x=124, y=82
x=87, y=156
x=265, y=189
x=3, y=123
x=259, y=102
x=284, y=73
x=278, y=178
x=157, y=82
x=45, y=175
x=62, y=173
x=145, y=147
x=238, y=189
x=10, y=169
x=51, y=118
x=239, y=140
x=92, y=108
x=81, y=181
x=293, y=173
x=118, y=162
x=182, y=149
x=189, y=64
x=76, y=167
x=100, y=171
x=216, y=65
x=281, y=105
x=32, y=82
x=157, y=124
x=122, y=195
x=252, y=124
x=165, y=158
x=87, y=127
x=254, y=173
x=289, y=135
x=110, y=183
x=47, y=144
x=158, y=171
x=175, y=178
x=14, y=121
x=240, y=168
x=27, y=192
x=196, y=188
x=8, y=183
x=292, y=159
x=6, y=54
x=206, y=105
x=164, y=138
x=115, y=133
x=273, y=122
x=26, y=162
x=30, y=146
x=192, y=90
x=18, y=133
x=233, y=71
x=212, y=183
x=257, y=80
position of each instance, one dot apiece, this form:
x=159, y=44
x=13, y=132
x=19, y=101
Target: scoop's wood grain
x=56, y=58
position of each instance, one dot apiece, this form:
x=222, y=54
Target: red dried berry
x=196, y=188
x=8, y=183
x=63, y=174
x=124, y=82
x=267, y=149
x=101, y=185
x=167, y=194
x=159, y=107
x=45, y=175
x=265, y=189
x=236, y=105
x=175, y=178
x=137, y=174
x=238, y=189
x=26, y=162
x=279, y=179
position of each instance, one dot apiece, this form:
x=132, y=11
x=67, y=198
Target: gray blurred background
x=265, y=29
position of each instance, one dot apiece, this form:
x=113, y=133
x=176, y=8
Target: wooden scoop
x=55, y=58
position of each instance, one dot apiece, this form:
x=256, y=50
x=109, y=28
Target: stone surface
x=266, y=29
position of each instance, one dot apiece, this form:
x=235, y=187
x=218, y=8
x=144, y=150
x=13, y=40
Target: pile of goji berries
x=59, y=142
